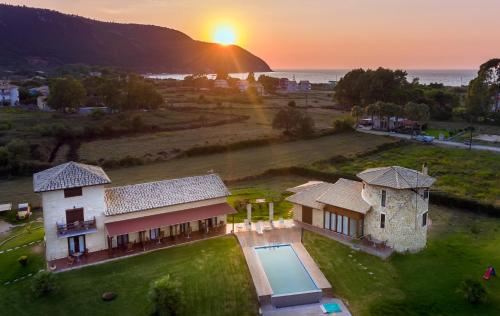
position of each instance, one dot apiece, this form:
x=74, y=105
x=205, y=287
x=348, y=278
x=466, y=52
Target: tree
x=357, y=112
x=473, y=291
x=4, y=157
x=66, y=93
x=373, y=110
x=165, y=297
x=417, y=112
x=44, y=282
x=251, y=77
x=270, y=83
x=483, y=90
x=293, y=122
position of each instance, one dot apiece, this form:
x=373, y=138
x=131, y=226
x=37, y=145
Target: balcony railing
x=76, y=228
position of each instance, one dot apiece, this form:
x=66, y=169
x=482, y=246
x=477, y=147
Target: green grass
x=10, y=269
x=437, y=132
x=417, y=284
x=213, y=275
x=463, y=173
x=260, y=211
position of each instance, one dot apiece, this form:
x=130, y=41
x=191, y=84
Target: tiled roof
x=345, y=194
x=308, y=197
x=396, y=177
x=69, y=175
x=144, y=196
x=304, y=186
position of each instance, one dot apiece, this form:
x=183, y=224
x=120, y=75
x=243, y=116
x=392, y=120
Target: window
x=74, y=215
x=76, y=244
x=382, y=220
x=339, y=223
x=426, y=194
x=72, y=192
x=345, y=228
x=424, y=219
x=384, y=197
x=326, y=220
x=122, y=240
x=154, y=233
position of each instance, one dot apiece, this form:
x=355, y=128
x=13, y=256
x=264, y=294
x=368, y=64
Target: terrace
x=76, y=228
x=133, y=249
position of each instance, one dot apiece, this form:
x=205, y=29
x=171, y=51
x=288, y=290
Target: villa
x=83, y=217
x=9, y=94
x=388, y=207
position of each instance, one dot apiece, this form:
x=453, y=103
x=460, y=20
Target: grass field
x=164, y=145
x=417, y=284
x=213, y=276
x=230, y=165
x=464, y=173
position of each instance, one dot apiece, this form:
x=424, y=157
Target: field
x=230, y=165
x=463, y=173
x=164, y=145
x=460, y=246
x=213, y=277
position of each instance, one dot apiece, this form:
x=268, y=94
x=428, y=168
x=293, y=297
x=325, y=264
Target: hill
x=40, y=38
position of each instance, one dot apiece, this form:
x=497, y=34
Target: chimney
x=425, y=169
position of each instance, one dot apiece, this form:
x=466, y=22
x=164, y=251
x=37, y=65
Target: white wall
x=54, y=211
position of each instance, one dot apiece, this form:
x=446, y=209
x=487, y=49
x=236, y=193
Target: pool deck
x=305, y=310
x=280, y=234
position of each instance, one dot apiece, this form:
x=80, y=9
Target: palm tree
x=372, y=110
x=356, y=112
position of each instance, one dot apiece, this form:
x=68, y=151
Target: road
x=435, y=142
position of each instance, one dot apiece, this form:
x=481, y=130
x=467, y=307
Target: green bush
x=23, y=260
x=473, y=291
x=292, y=103
x=343, y=125
x=44, y=283
x=4, y=126
x=165, y=297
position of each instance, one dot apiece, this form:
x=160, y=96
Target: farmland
x=230, y=165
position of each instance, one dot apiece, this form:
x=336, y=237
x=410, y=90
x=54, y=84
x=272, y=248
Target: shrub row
x=212, y=149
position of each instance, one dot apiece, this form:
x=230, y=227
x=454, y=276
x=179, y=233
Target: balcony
x=76, y=228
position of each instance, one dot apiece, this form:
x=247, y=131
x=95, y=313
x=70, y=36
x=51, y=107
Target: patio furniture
x=330, y=308
x=71, y=260
x=77, y=255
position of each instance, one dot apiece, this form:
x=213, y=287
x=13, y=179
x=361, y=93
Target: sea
x=448, y=77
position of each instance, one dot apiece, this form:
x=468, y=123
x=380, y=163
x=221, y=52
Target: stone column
x=271, y=212
x=249, y=212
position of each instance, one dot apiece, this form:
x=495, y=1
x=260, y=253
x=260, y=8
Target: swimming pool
x=289, y=279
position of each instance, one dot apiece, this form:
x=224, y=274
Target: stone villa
x=82, y=216
x=389, y=206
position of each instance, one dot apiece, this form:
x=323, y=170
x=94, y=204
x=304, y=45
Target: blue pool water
x=284, y=270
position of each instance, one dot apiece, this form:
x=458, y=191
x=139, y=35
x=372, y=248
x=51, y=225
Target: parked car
x=424, y=139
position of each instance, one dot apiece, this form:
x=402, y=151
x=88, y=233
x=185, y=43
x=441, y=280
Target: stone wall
x=403, y=217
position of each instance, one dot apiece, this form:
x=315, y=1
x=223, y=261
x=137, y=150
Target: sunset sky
x=324, y=34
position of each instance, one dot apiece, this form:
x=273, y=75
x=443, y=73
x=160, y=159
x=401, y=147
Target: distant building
x=9, y=94
x=283, y=84
x=243, y=85
x=221, y=84
x=42, y=90
x=291, y=86
x=304, y=86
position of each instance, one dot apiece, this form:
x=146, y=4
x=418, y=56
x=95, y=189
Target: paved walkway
x=435, y=142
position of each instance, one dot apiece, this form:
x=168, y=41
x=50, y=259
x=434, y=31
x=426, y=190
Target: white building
x=242, y=85
x=9, y=94
x=291, y=86
x=83, y=217
x=389, y=206
x=304, y=86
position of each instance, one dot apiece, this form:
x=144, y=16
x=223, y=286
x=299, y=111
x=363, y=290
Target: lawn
x=460, y=246
x=230, y=165
x=213, y=275
x=463, y=173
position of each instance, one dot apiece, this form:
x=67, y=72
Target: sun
x=224, y=35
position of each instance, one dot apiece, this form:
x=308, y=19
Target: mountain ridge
x=44, y=38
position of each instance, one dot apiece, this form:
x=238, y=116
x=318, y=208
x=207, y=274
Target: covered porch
x=147, y=233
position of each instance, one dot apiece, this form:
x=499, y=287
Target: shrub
x=5, y=126
x=343, y=125
x=165, y=297
x=44, y=282
x=292, y=103
x=473, y=291
x=23, y=260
